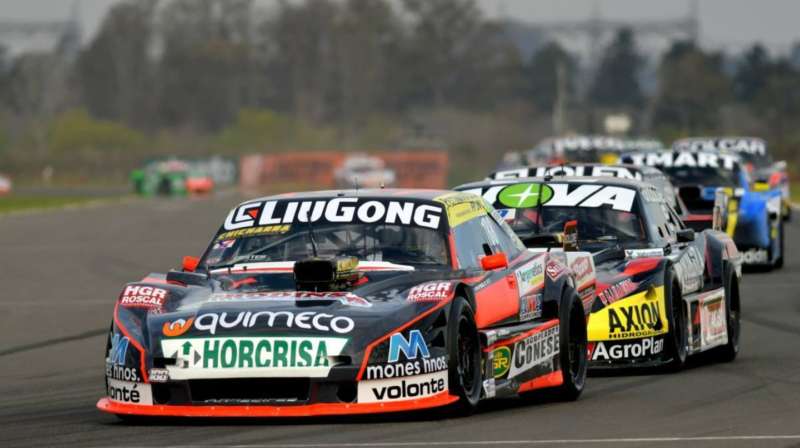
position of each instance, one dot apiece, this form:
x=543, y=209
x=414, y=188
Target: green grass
x=15, y=203
x=794, y=189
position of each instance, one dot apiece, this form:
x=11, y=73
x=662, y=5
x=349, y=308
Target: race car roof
x=365, y=193
x=602, y=180
x=576, y=169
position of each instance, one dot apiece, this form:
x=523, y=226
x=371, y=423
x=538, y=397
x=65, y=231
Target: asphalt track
x=61, y=272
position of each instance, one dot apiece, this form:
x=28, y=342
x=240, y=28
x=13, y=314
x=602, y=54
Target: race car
x=588, y=149
x=662, y=292
x=753, y=218
x=348, y=302
x=644, y=173
x=765, y=172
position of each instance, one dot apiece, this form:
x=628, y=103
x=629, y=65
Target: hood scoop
x=326, y=274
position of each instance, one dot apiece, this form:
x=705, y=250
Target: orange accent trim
x=549, y=324
x=107, y=405
x=132, y=341
x=552, y=379
x=694, y=218
x=372, y=344
x=496, y=302
x=453, y=254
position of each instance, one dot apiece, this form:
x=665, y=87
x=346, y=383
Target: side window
x=499, y=238
x=657, y=221
x=471, y=243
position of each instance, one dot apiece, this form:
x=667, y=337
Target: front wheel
x=572, y=351
x=464, y=352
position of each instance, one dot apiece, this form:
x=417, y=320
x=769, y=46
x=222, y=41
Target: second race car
x=662, y=291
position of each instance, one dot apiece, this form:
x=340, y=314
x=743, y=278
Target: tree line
x=322, y=71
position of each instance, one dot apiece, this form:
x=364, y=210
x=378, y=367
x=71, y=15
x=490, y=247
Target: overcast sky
x=724, y=24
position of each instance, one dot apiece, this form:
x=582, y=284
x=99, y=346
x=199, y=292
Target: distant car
x=587, y=149
x=171, y=177
x=763, y=170
x=365, y=171
x=662, y=292
x=348, y=302
x=644, y=173
x=753, y=218
x=5, y=185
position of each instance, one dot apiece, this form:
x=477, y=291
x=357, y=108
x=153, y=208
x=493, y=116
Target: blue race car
x=753, y=218
x=766, y=173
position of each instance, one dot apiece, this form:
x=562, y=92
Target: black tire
x=572, y=351
x=678, y=339
x=729, y=351
x=464, y=350
x=781, y=246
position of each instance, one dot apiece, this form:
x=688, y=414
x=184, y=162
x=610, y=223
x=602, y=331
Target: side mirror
x=495, y=261
x=685, y=235
x=571, y=235
x=190, y=263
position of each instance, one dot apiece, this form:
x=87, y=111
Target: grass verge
x=14, y=203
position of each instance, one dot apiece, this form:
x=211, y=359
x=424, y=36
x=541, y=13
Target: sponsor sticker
x=147, y=297
x=501, y=361
x=406, y=388
x=408, y=368
x=529, y=276
x=755, y=256
x=612, y=351
x=582, y=267
x=411, y=348
x=637, y=316
x=536, y=349
x=528, y=195
x=676, y=159
x=554, y=269
x=250, y=231
x=343, y=297
x=430, y=292
x=158, y=375
x=337, y=210
x=714, y=328
x=129, y=392
x=252, y=357
x=530, y=307
x=306, y=320
x=617, y=291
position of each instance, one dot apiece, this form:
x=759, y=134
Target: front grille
x=693, y=199
x=250, y=390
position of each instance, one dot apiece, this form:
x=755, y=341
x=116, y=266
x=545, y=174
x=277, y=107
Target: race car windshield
x=398, y=244
x=598, y=227
x=685, y=175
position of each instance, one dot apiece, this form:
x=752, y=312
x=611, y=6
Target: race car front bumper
x=257, y=411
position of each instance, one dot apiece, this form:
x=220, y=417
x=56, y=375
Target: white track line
x=640, y=440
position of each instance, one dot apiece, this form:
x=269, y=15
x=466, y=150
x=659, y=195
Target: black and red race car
x=662, y=291
x=348, y=302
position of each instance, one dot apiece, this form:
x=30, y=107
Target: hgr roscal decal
x=685, y=159
x=338, y=210
x=528, y=195
x=571, y=171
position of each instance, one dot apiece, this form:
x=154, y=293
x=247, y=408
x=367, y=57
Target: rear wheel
x=728, y=352
x=572, y=351
x=678, y=342
x=781, y=246
x=464, y=352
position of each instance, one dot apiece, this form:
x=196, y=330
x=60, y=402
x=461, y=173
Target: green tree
x=692, y=87
x=616, y=82
x=542, y=75
x=751, y=73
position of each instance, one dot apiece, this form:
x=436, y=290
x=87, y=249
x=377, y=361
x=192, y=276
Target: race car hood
x=198, y=330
